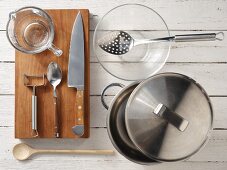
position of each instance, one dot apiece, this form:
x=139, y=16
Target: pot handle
x=175, y=119
x=104, y=90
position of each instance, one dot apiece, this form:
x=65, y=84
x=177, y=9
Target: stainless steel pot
x=116, y=125
x=165, y=118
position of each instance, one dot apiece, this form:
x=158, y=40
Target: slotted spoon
x=120, y=42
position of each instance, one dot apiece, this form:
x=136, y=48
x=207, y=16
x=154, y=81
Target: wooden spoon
x=23, y=151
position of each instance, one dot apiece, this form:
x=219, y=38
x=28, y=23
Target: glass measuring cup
x=31, y=30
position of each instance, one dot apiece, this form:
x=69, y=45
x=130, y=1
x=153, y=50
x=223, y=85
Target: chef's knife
x=76, y=71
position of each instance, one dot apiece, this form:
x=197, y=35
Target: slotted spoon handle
x=199, y=37
x=183, y=38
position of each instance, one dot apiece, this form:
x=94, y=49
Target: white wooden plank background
x=206, y=62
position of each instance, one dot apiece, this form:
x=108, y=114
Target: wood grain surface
x=37, y=64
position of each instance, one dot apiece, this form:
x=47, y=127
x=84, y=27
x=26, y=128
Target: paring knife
x=76, y=71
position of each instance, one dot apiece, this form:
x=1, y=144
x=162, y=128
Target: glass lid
x=138, y=22
x=168, y=117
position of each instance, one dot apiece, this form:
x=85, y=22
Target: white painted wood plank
x=190, y=15
x=210, y=76
x=215, y=150
x=180, y=52
x=110, y=165
x=7, y=110
x=220, y=107
x=7, y=52
x=7, y=73
x=99, y=113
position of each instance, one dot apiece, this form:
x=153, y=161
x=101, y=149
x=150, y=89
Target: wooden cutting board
x=36, y=65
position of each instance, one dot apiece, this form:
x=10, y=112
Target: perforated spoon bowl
x=120, y=42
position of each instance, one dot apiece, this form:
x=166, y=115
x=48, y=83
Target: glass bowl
x=141, y=22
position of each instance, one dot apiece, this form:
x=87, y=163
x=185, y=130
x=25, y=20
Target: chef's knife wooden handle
x=56, y=121
x=79, y=107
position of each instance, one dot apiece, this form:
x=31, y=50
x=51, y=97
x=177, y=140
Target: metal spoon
x=120, y=42
x=22, y=151
x=54, y=76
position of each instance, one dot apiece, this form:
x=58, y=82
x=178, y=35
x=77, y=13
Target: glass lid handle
x=175, y=119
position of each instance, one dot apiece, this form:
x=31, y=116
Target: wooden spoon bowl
x=22, y=151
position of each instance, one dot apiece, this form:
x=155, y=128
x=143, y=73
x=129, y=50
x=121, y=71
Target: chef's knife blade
x=76, y=71
x=76, y=55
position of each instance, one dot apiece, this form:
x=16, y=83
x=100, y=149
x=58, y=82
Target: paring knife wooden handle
x=79, y=127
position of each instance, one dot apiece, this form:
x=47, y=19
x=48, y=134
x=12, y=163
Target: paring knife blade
x=76, y=71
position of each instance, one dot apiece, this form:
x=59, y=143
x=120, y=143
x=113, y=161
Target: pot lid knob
x=176, y=120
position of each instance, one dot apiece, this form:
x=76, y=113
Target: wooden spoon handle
x=95, y=152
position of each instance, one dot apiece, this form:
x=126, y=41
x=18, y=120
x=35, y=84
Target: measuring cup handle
x=175, y=119
x=55, y=50
x=104, y=90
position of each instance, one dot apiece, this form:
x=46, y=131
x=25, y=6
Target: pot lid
x=168, y=117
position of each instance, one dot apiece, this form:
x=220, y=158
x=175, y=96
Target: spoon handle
x=56, y=121
x=96, y=152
